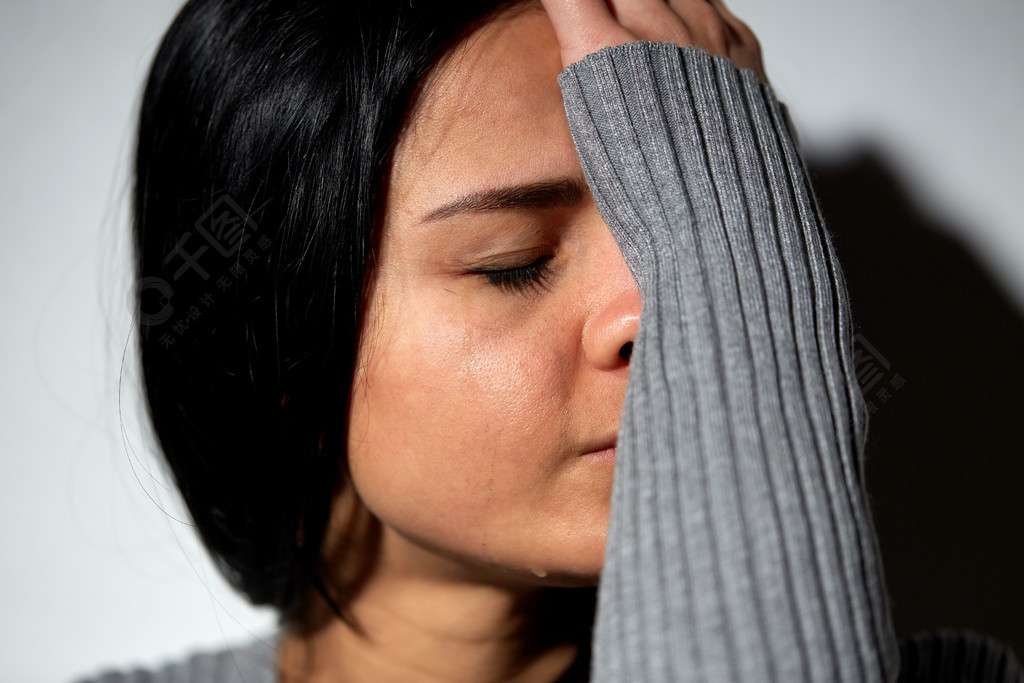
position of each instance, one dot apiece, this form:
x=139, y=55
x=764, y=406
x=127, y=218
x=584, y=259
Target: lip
x=605, y=454
x=604, y=449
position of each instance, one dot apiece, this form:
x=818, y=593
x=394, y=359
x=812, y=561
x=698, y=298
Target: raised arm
x=740, y=543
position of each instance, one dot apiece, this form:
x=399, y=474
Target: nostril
x=626, y=351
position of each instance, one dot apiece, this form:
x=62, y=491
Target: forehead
x=491, y=114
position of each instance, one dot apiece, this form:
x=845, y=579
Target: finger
x=738, y=26
x=583, y=27
x=706, y=26
x=746, y=48
x=651, y=20
x=744, y=59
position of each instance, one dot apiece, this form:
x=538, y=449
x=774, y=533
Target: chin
x=569, y=574
x=581, y=569
x=571, y=579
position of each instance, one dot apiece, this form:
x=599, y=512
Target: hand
x=586, y=26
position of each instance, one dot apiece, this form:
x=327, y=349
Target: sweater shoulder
x=251, y=662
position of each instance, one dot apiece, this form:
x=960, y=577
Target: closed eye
x=519, y=279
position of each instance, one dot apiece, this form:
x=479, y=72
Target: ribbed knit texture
x=251, y=663
x=955, y=656
x=740, y=545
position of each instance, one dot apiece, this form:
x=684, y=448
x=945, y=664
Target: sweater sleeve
x=740, y=544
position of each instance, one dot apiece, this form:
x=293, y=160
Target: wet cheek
x=517, y=379
x=475, y=389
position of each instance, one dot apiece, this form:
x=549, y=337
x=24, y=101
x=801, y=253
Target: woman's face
x=491, y=365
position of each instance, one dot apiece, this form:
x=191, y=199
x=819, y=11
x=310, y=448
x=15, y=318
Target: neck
x=414, y=627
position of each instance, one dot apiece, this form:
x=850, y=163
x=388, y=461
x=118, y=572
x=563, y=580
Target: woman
x=406, y=305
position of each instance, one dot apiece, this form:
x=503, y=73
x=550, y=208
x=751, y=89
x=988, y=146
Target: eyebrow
x=546, y=194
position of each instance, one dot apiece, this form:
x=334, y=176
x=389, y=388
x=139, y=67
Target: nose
x=610, y=330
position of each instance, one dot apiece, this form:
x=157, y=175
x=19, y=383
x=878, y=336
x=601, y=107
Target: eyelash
x=518, y=280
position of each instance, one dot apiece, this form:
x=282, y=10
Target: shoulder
x=957, y=655
x=251, y=662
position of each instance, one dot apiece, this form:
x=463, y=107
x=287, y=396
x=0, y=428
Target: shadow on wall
x=941, y=361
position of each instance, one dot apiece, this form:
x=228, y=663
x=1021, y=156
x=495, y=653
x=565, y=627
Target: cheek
x=456, y=415
x=517, y=377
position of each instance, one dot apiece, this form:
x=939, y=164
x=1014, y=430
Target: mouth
x=604, y=454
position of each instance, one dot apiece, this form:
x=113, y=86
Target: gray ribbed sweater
x=740, y=544
x=741, y=547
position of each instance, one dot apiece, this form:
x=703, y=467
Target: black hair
x=264, y=141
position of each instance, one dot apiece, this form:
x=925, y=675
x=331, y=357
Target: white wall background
x=97, y=570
